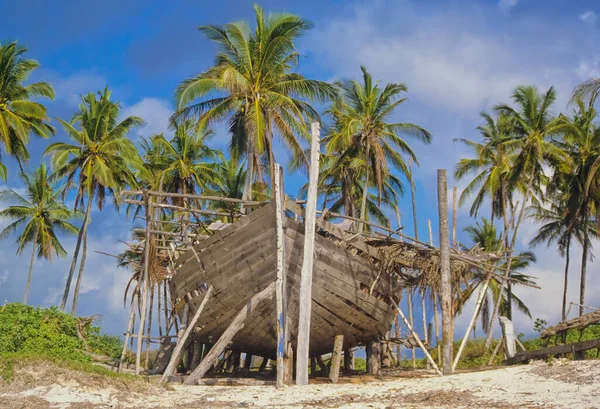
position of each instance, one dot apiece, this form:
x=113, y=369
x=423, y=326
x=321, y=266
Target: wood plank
x=176, y=356
x=227, y=336
x=555, y=350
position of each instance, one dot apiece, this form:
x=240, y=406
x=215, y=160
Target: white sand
x=564, y=385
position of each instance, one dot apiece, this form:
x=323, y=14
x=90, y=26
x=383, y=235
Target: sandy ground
x=538, y=385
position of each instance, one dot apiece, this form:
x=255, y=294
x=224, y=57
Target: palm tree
x=252, y=86
x=40, y=214
x=485, y=236
x=229, y=182
x=575, y=180
x=19, y=115
x=361, y=130
x=102, y=160
x=492, y=165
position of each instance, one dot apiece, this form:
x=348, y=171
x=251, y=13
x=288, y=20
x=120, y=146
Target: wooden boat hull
x=239, y=261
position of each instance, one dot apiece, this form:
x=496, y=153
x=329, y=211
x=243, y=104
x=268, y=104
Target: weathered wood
x=197, y=355
x=187, y=330
x=348, y=360
x=235, y=382
x=190, y=196
x=288, y=365
x=322, y=365
x=482, y=293
x=580, y=322
x=145, y=284
x=305, y=300
x=313, y=365
x=508, y=333
x=435, y=307
x=179, y=208
x=373, y=357
x=129, y=330
x=555, y=350
x=336, y=358
x=416, y=337
x=263, y=364
x=279, y=269
x=236, y=325
x=446, y=284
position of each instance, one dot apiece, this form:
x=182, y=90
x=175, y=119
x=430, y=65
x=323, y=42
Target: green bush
x=47, y=331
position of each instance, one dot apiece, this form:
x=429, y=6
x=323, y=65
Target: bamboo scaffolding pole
x=279, y=286
x=435, y=306
x=305, y=298
x=129, y=330
x=179, y=208
x=144, y=287
x=191, y=196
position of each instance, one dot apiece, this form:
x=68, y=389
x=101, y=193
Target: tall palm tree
x=101, y=162
x=532, y=125
x=229, y=182
x=19, y=115
x=254, y=88
x=40, y=213
x=575, y=181
x=362, y=130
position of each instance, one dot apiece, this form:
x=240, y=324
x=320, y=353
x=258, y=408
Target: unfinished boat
x=349, y=297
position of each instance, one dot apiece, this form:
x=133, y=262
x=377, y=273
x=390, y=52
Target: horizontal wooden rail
x=189, y=196
x=555, y=350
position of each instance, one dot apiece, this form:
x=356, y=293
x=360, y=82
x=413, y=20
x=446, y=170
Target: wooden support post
x=336, y=358
x=313, y=365
x=248, y=362
x=434, y=295
x=129, y=330
x=480, y=298
x=348, y=360
x=149, y=329
x=181, y=340
x=288, y=367
x=305, y=297
x=446, y=290
x=373, y=357
x=416, y=337
x=496, y=349
x=263, y=364
x=322, y=365
x=196, y=355
x=508, y=333
x=280, y=273
x=144, y=285
x=410, y=319
x=236, y=361
x=236, y=325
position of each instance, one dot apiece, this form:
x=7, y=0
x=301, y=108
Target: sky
x=457, y=58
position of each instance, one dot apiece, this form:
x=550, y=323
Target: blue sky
x=457, y=58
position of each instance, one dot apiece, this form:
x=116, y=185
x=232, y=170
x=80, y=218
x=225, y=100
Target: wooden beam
x=336, y=358
x=416, y=337
x=176, y=356
x=508, y=333
x=144, y=286
x=129, y=330
x=236, y=325
x=555, y=350
x=305, y=298
x=446, y=290
x=348, y=360
x=482, y=293
x=179, y=208
x=190, y=196
x=288, y=365
x=280, y=317
x=373, y=357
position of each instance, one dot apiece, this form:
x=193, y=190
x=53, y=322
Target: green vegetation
x=30, y=333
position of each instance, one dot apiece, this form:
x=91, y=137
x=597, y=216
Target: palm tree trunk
x=363, y=206
x=247, y=195
x=30, y=268
x=79, y=276
x=509, y=250
x=564, y=303
x=584, y=258
x=82, y=231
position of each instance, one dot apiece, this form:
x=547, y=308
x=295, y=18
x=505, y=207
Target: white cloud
x=155, y=112
x=506, y=5
x=4, y=276
x=588, y=68
x=70, y=89
x=589, y=17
